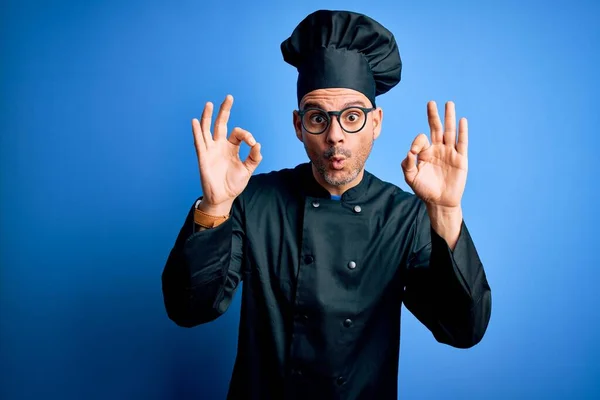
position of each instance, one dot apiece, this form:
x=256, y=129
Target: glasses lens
x=353, y=119
x=315, y=121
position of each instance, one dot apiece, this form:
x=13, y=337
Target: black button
x=302, y=316
x=340, y=380
x=351, y=265
x=308, y=259
x=348, y=323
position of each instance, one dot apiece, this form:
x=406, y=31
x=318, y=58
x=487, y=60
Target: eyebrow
x=359, y=103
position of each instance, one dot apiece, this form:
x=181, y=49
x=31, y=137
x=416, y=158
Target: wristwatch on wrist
x=205, y=220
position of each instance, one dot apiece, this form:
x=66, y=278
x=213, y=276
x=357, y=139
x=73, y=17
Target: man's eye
x=317, y=119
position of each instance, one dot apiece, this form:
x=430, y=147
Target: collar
x=312, y=188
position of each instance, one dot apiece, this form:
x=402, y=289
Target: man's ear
x=377, y=117
x=297, y=125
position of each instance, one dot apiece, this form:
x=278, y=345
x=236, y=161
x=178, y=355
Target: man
x=328, y=252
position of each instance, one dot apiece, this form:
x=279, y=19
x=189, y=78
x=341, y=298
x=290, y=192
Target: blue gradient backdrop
x=98, y=171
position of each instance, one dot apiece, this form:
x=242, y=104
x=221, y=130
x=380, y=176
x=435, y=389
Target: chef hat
x=342, y=49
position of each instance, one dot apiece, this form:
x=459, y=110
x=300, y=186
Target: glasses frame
x=337, y=114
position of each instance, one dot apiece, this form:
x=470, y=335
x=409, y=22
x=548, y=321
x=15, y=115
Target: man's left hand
x=437, y=172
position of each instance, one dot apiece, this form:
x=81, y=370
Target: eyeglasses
x=351, y=119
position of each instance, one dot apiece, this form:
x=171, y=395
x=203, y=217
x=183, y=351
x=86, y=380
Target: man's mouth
x=337, y=162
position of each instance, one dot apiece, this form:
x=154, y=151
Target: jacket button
x=348, y=323
x=340, y=380
x=301, y=316
x=308, y=259
x=351, y=265
x=315, y=204
x=357, y=209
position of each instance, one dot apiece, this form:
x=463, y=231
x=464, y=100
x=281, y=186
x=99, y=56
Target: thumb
x=253, y=159
x=419, y=144
x=409, y=165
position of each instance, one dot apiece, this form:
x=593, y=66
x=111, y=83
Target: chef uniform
x=324, y=278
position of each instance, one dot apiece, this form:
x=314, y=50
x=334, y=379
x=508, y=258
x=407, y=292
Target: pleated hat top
x=343, y=49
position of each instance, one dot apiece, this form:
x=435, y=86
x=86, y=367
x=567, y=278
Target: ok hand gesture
x=437, y=172
x=222, y=173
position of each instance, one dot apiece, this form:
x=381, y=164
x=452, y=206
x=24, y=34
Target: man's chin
x=335, y=176
x=338, y=177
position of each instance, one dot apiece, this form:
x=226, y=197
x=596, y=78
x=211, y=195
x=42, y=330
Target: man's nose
x=335, y=133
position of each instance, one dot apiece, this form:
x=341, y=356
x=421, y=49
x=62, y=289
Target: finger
x=409, y=166
x=223, y=118
x=239, y=135
x=463, y=136
x=199, y=142
x=450, y=124
x=205, y=121
x=254, y=158
x=435, y=125
x=420, y=143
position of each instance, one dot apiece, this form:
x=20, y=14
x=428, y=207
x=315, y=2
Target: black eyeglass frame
x=338, y=114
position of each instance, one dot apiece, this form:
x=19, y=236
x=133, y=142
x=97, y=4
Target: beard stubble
x=350, y=172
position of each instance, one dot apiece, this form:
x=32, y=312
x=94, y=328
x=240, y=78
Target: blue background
x=98, y=171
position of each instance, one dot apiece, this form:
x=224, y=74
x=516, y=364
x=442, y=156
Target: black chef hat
x=342, y=49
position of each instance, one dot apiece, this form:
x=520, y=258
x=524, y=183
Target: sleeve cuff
x=465, y=262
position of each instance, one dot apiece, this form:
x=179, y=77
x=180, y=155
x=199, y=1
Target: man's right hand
x=222, y=173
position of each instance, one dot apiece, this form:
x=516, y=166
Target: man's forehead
x=335, y=97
